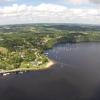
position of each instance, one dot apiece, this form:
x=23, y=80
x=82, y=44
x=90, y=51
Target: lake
x=75, y=76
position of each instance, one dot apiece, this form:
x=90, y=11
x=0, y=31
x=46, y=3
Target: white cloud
x=77, y=1
x=48, y=13
x=83, y=1
x=6, y=0
x=95, y=1
x=50, y=7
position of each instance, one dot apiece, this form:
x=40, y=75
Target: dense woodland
x=23, y=46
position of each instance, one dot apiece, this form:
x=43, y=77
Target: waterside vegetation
x=22, y=46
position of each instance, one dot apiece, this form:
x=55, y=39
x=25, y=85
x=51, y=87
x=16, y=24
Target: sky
x=49, y=11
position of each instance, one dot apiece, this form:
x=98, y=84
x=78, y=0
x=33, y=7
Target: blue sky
x=49, y=11
x=36, y=2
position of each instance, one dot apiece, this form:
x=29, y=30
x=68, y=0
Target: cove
x=74, y=76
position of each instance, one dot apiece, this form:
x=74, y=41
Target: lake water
x=75, y=76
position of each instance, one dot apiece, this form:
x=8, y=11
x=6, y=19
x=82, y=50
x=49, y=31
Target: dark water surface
x=75, y=76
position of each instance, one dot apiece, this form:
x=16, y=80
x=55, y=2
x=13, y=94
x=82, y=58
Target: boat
x=20, y=72
x=5, y=74
x=46, y=53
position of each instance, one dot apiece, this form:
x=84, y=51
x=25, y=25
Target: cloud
x=95, y=1
x=50, y=7
x=3, y=1
x=83, y=1
x=76, y=1
x=50, y=13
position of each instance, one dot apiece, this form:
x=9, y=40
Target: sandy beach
x=41, y=67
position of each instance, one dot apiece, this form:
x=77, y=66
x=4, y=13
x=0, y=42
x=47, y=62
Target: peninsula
x=22, y=47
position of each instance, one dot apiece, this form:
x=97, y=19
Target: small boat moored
x=5, y=74
x=20, y=72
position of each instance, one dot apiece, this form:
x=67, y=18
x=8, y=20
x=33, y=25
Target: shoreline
x=22, y=70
